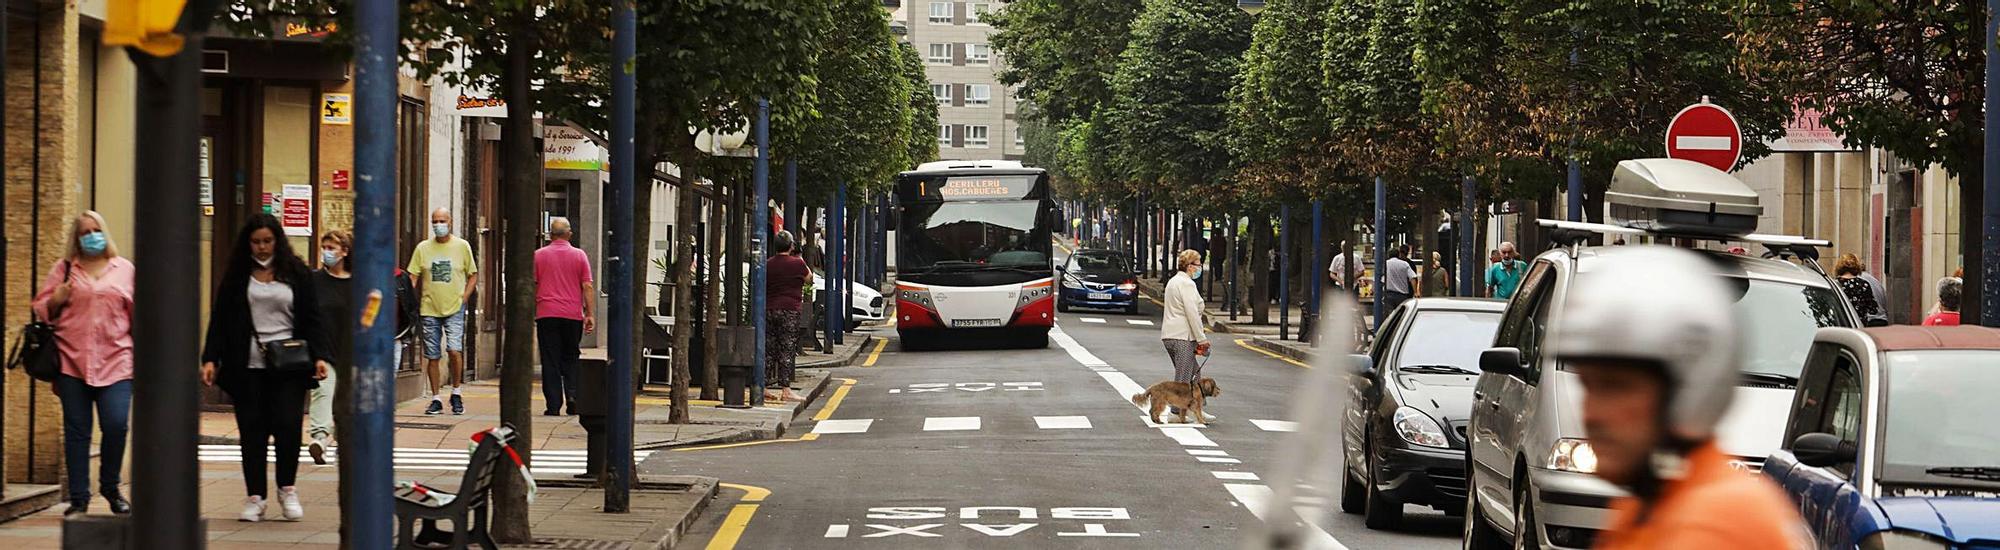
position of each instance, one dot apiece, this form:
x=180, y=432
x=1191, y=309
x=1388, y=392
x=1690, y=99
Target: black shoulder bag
x=36, y=350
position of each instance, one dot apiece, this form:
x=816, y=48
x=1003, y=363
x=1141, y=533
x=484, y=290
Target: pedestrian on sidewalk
x=1341, y=268
x=1847, y=273
x=1437, y=278
x=1399, y=280
x=1950, y=291
x=335, y=286
x=565, y=309
x=88, y=297
x=265, y=312
x=784, y=295
x=446, y=275
x=1504, y=276
x=1180, y=324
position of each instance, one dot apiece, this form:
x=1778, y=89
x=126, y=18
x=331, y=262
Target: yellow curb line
x=739, y=517
x=1246, y=345
x=832, y=403
x=846, y=384
x=872, y=357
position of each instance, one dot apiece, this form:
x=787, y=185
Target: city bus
x=973, y=260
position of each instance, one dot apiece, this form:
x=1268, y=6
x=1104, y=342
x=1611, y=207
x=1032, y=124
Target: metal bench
x=466, y=510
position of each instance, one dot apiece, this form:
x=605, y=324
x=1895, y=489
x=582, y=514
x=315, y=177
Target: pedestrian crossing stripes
x=1140, y=322
x=1092, y=320
x=1187, y=434
x=1062, y=422
x=1276, y=425
x=951, y=423
x=1101, y=320
x=546, y=461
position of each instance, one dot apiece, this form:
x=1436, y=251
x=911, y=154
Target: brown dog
x=1178, y=394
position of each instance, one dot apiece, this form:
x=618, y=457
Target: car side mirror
x=1362, y=365
x=1823, y=450
x=1503, y=361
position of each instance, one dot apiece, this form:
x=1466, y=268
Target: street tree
x=1168, y=119
x=1904, y=77
x=1279, y=127
x=864, y=132
x=1061, y=53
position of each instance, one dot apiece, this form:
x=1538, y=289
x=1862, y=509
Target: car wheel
x=1132, y=308
x=1352, y=498
x=1527, y=534
x=1381, y=511
x=1062, y=305
x=1478, y=533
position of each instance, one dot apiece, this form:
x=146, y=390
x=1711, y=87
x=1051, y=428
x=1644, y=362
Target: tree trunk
x=683, y=275
x=646, y=148
x=1260, y=269
x=711, y=368
x=521, y=199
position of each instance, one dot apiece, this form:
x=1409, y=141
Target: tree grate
x=577, y=544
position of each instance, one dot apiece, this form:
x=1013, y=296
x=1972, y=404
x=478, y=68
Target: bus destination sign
x=986, y=188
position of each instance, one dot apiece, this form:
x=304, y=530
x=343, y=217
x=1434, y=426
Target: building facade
x=977, y=114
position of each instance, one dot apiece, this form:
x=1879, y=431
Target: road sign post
x=1705, y=133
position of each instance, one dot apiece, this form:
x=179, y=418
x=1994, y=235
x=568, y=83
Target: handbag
x=36, y=351
x=291, y=355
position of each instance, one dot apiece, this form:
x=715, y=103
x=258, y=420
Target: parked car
x=867, y=303
x=1099, y=279
x=1531, y=470
x=1409, y=397
x=1886, y=447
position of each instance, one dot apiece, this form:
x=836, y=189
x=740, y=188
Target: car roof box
x=1680, y=197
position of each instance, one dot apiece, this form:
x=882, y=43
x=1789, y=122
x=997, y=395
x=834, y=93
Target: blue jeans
x=114, y=414
x=443, y=334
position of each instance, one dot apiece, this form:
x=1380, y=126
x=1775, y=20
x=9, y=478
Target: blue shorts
x=443, y=334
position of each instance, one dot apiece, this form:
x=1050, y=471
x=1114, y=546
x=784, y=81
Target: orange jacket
x=1714, y=506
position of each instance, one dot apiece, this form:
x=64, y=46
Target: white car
x=867, y=304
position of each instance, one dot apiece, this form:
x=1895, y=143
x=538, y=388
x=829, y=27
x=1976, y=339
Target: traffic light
x=144, y=24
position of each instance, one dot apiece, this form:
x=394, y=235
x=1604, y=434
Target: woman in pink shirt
x=88, y=297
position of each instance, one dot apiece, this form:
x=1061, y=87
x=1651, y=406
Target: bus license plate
x=1100, y=295
x=975, y=322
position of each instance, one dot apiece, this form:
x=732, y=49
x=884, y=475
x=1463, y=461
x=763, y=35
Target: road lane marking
x=1140, y=322
x=850, y=426
x=877, y=354
x=832, y=403
x=1217, y=460
x=1188, y=437
x=1063, y=422
x=1245, y=342
x=1254, y=497
x=1207, y=452
x=950, y=423
x=1235, y=476
x=836, y=531
x=1081, y=355
x=1091, y=320
x=739, y=516
x=1276, y=425
x=1170, y=422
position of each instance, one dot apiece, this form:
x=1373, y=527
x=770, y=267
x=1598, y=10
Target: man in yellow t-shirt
x=445, y=274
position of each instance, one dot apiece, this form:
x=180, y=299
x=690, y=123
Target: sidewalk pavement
x=430, y=450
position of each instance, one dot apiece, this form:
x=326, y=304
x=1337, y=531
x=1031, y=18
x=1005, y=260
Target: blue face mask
x=94, y=243
x=440, y=229
x=328, y=258
x=1197, y=272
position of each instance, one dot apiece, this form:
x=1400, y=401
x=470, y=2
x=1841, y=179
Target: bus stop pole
x=792, y=210
x=1989, y=275
x=619, y=411
x=760, y=201
x=1285, y=272
x=1468, y=261
x=1381, y=245
x=1315, y=277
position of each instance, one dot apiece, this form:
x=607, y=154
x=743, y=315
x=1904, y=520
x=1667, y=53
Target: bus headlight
x=920, y=297
x=1032, y=293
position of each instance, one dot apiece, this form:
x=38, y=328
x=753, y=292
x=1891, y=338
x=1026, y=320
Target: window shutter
x=958, y=135
x=958, y=54
x=958, y=93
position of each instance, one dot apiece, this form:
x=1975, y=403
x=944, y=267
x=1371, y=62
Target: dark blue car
x=1892, y=441
x=1099, y=279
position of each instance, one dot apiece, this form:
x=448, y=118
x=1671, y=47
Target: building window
x=975, y=136
x=975, y=13
x=978, y=54
x=1018, y=140
x=941, y=12
x=940, y=53
x=978, y=94
x=944, y=135
x=942, y=92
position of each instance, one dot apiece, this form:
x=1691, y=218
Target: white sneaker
x=253, y=510
x=1206, y=418
x=288, y=500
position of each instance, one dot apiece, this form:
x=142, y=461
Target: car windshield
x=1100, y=263
x=999, y=233
x=1451, y=338
x=1928, y=423
x=1778, y=321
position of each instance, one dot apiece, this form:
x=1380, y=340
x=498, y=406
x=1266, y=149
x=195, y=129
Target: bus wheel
x=1035, y=340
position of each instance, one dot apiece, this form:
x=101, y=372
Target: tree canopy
x=1168, y=119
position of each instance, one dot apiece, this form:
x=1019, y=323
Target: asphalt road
x=1022, y=448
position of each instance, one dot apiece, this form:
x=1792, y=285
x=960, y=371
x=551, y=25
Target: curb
x=742, y=435
x=670, y=536
x=844, y=359
x=1300, y=355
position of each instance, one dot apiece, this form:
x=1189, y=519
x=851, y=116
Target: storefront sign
x=1807, y=134
x=564, y=148
x=481, y=106
x=340, y=180
x=297, y=210
x=336, y=109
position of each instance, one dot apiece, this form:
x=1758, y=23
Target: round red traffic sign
x=1705, y=133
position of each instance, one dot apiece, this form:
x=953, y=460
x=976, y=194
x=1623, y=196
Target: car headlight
x=1069, y=282
x=1902, y=540
x=1573, y=455
x=1418, y=429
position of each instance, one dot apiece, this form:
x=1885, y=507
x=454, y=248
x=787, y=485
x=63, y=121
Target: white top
x=1398, y=276
x=1183, y=306
x=1334, y=267
x=270, y=316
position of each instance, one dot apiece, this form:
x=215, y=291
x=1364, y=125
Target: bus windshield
x=972, y=234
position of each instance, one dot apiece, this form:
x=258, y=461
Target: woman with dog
x=1180, y=325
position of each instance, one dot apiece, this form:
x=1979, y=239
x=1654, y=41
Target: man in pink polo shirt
x=565, y=308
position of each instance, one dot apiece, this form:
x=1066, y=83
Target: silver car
x=1530, y=468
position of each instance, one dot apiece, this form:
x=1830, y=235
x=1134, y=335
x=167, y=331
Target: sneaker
x=318, y=451
x=77, y=508
x=253, y=510
x=457, y=404
x=436, y=407
x=288, y=500
x=1206, y=418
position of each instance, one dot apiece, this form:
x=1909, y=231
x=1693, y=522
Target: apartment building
x=976, y=113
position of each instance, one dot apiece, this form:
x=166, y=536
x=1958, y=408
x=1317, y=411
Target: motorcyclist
x=1654, y=342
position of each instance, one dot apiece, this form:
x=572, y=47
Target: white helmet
x=1667, y=306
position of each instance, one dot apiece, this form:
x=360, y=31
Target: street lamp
x=723, y=144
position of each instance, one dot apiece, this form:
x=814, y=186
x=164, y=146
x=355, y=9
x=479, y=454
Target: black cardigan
x=230, y=333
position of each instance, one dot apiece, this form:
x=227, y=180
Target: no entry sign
x=1706, y=134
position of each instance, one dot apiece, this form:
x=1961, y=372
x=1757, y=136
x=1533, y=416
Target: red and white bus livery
x=973, y=253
